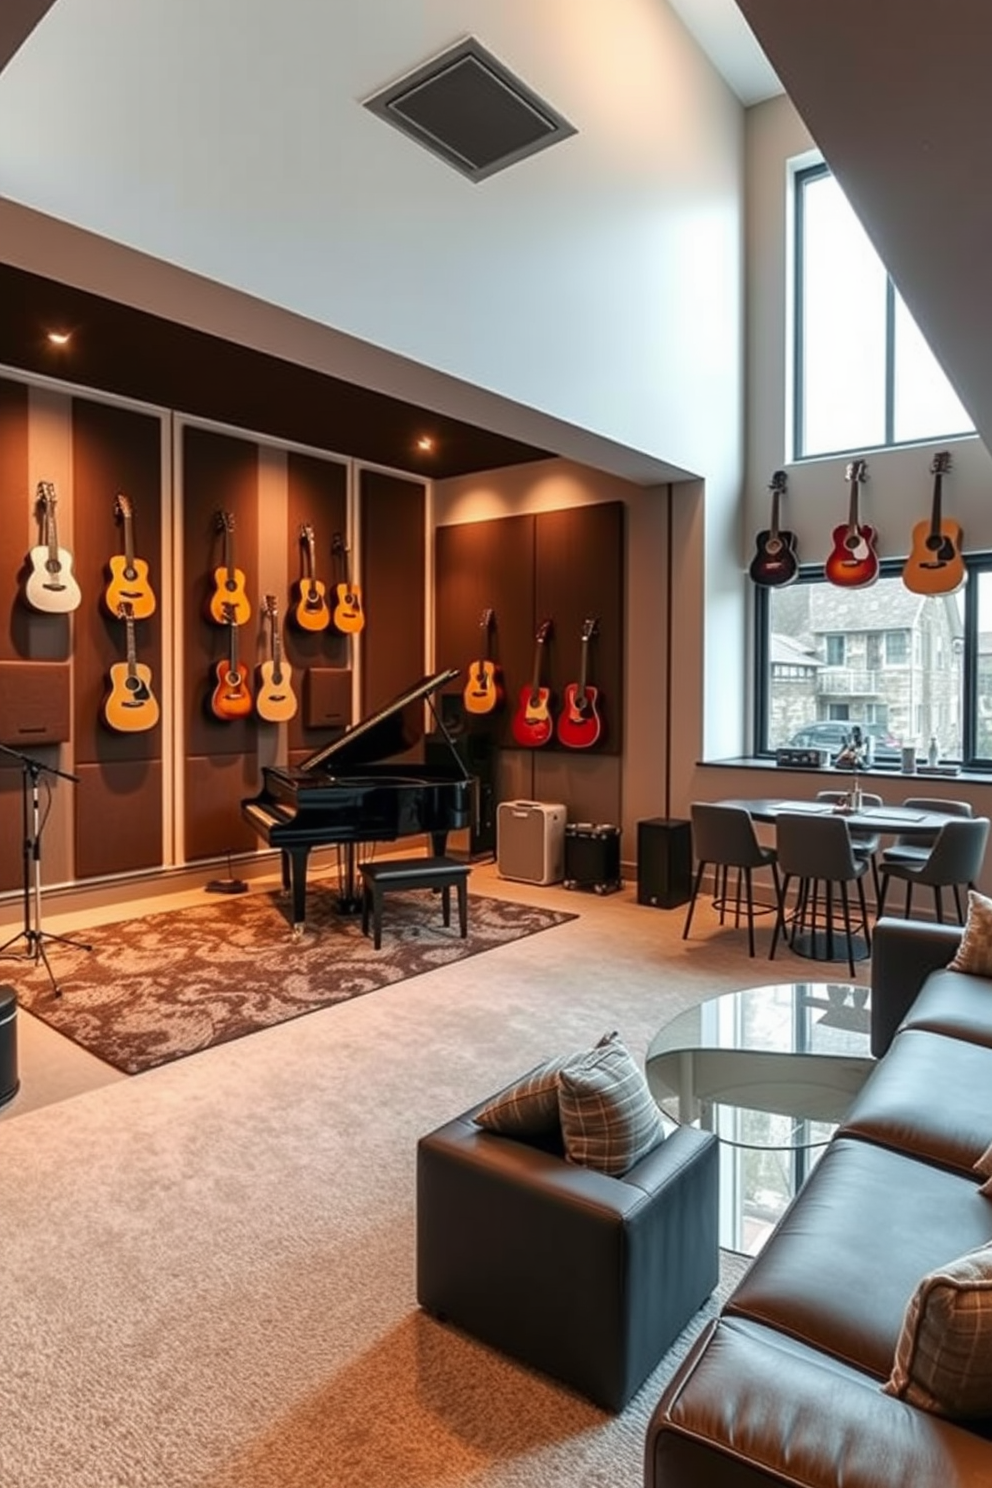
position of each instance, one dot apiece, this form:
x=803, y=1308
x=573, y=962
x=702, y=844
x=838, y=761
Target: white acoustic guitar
x=51, y=585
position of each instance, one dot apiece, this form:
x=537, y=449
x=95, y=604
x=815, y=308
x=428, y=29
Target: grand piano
x=347, y=792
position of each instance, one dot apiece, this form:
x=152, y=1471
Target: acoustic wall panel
x=393, y=513
x=118, y=817
x=14, y=536
x=317, y=499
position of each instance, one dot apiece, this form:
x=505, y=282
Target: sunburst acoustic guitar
x=228, y=604
x=311, y=611
x=532, y=724
x=579, y=722
x=231, y=697
x=129, y=583
x=853, y=561
x=130, y=707
x=275, y=700
x=935, y=565
x=483, y=691
x=51, y=585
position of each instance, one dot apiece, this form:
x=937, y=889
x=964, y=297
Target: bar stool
x=956, y=858
x=817, y=850
x=724, y=836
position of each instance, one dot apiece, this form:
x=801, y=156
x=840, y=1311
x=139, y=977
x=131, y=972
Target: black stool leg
x=462, y=908
x=446, y=904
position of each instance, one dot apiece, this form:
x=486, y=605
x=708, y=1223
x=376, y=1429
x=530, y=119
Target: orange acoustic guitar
x=853, y=563
x=128, y=575
x=229, y=603
x=532, y=725
x=130, y=706
x=312, y=611
x=484, y=689
x=935, y=566
x=275, y=700
x=348, y=615
x=579, y=723
x=231, y=697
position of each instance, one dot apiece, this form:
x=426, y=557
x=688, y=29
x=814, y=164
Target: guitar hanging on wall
x=532, y=725
x=347, y=615
x=51, y=585
x=231, y=697
x=775, y=562
x=130, y=706
x=228, y=603
x=853, y=563
x=935, y=565
x=275, y=700
x=579, y=723
x=128, y=575
x=483, y=692
x=312, y=611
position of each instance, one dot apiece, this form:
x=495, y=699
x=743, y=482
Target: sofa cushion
x=955, y=1004
x=528, y=1107
x=974, y=954
x=609, y=1119
x=943, y=1359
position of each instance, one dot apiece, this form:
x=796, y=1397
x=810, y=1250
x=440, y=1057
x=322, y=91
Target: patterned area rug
x=159, y=988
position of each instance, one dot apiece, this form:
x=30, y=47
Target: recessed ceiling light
x=60, y=338
x=425, y=443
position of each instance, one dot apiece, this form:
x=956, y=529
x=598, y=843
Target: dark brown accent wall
x=118, y=817
x=317, y=494
x=13, y=531
x=393, y=513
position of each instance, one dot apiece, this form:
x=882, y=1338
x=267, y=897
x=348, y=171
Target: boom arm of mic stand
x=37, y=766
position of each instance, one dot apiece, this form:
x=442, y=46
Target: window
x=835, y=650
x=929, y=673
x=864, y=376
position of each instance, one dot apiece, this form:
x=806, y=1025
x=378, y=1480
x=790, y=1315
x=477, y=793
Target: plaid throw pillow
x=609, y=1120
x=943, y=1360
x=984, y=1166
x=974, y=954
x=528, y=1107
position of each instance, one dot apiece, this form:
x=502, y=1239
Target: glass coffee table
x=771, y=1070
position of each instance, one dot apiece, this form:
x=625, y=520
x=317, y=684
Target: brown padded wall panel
x=11, y=824
x=34, y=703
x=215, y=787
x=13, y=488
x=393, y=552
x=579, y=577
x=118, y=817
x=479, y=566
x=317, y=492
x=114, y=450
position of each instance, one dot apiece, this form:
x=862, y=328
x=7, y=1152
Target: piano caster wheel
x=298, y=932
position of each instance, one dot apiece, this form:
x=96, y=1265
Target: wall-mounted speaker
x=530, y=841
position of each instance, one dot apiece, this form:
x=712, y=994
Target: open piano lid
x=389, y=731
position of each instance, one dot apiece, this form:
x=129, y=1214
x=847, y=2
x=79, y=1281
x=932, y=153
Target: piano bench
x=413, y=873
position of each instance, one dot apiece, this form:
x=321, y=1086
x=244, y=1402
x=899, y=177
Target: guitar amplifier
x=592, y=857
x=530, y=841
x=816, y=759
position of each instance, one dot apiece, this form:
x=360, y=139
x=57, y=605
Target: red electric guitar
x=775, y=562
x=532, y=725
x=853, y=564
x=579, y=723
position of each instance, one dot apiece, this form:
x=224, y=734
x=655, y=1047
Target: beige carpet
x=208, y=1276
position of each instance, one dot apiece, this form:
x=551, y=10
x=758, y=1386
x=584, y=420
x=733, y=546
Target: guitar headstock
x=857, y=472
x=589, y=629
x=941, y=464
x=224, y=521
x=230, y=613
x=46, y=496
x=125, y=610
x=337, y=543
x=271, y=606
x=122, y=507
x=487, y=619
x=307, y=535
x=543, y=631
x=778, y=482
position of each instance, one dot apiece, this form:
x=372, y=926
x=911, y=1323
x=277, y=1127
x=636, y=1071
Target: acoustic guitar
x=935, y=565
x=853, y=562
x=128, y=575
x=130, y=707
x=348, y=615
x=312, y=611
x=775, y=562
x=275, y=700
x=51, y=585
x=579, y=723
x=228, y=603
x=483, y=691
x=532, y=724
x=231, y=697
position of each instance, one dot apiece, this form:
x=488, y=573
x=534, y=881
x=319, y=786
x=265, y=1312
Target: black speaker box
x=664, y=862
x=592, y=857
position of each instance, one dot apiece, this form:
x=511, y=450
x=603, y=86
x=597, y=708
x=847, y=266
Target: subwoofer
x=530, y=841
x=664, y=862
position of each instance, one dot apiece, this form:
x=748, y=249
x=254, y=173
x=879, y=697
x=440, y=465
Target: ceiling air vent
x=468, y=108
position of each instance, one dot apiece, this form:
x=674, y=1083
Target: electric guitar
x=935, y=566
x=775, y=562
x=579, y=723
x=853, y=563
x=348, y=615
x=312, y=611
x=51, y=585
x=130, y=706
x=275, y=700
x=484, y=689
x=531, y=725
x=128, y=575
x=231, y=696
x=229, y=603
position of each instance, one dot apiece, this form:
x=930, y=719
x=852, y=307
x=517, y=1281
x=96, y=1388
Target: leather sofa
x=785, y=1386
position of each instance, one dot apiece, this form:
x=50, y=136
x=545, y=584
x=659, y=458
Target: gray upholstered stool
x=413, y=873
x=9, y=1081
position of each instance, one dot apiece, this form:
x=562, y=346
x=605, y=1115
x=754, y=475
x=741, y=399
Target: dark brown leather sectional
x=785, y=1386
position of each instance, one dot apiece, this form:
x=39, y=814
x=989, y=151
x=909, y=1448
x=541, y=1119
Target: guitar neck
x=132, y=654
x=773, y=527
x=936, y=517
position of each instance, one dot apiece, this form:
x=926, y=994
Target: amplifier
x=530, y=841
x=811, y=758
x=592, y=857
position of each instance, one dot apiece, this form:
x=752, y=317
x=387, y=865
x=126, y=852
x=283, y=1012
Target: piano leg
x=294, y=865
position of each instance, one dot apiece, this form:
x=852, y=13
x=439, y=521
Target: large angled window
x=864, y=376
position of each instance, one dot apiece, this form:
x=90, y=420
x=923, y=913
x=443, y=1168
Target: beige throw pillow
x=943, y=1359
x=974, y=954
x=609, y=1119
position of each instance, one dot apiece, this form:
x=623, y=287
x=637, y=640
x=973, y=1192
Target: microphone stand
x=32, y=932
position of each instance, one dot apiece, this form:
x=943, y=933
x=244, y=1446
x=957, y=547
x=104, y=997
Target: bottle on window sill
x=933, y=752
